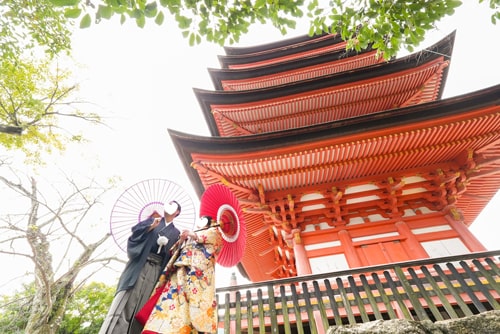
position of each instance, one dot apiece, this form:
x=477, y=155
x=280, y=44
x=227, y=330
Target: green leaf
x=104, y=12
x=420, y=31
x=311, y=30
x=260, y=4
x=72, y=13
x=141, y=21
x=63, y=3
x=136, y=13
x=455, y=3
x=494, y=18
x=86, y=21
x=160, y=18
x=183, y=21
x=151, y=9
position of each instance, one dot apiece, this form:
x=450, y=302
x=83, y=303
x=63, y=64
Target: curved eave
x=219, y=75
x=276, y=50
x=349, y=129
x=284, y=43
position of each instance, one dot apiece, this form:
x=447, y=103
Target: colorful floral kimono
x=187, y=303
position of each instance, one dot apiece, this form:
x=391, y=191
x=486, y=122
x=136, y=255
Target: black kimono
x=139, y=276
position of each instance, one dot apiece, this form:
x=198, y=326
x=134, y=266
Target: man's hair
x=178, y=207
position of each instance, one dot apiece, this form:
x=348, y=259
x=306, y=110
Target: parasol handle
x=221, y=224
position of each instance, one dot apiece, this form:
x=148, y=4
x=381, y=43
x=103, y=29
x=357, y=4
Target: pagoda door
x=382, y=253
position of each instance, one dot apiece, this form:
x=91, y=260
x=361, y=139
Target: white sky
x=143, y=80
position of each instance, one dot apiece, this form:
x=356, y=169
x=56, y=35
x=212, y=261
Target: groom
x=148, y=250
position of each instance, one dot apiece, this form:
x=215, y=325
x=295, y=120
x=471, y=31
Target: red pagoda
x=343, y=160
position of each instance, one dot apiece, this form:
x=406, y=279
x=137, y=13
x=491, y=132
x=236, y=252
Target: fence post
x=233, y=282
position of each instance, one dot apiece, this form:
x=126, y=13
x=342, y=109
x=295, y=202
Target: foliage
x=15, y=310
x=34, y=98
x=390, y=25
x=29, y=25
x=87, y=309
x=84, y=313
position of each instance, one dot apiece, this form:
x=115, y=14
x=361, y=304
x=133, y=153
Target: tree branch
x=11, y=130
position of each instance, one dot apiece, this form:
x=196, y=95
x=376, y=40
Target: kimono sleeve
x=138, y=240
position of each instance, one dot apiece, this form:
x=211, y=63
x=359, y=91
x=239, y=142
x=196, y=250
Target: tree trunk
x=45, y=320
x=40, y=230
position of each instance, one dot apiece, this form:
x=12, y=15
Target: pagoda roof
x=462, y=133
x=413, y=79
x=292, y=70
x=283, y=43
x=280, y=51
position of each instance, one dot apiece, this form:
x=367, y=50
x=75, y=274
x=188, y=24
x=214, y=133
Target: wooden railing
x=431, y=289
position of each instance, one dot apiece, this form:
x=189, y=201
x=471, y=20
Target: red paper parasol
x=145, y=199
x=219, y=202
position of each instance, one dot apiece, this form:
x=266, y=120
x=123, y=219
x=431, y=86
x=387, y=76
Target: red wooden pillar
x=301, y=261
x=414, y=247
x=349, y=249
x=470, y=241
x=304, y=268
